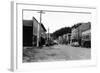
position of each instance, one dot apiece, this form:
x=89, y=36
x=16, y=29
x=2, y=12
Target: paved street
x=56, y=52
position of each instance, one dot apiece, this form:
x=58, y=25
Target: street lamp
x=39, y=26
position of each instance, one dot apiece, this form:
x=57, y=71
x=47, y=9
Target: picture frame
x=17, y=10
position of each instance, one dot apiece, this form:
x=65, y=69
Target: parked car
x=55, y=42
x=76, y=44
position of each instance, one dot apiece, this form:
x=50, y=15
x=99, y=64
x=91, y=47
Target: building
x=86, y=38
x=60, y=40
x=68, y=38
x=79, y=31
x=30, y=32
x=64, y=39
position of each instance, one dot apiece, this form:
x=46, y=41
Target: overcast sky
x=57, y=20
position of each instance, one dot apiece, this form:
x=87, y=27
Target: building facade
x=79, y=32
x=30, y=32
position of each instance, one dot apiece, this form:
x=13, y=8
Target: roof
x=41, y=24
x=43, y=27
x=29, y=23
x=76, y=25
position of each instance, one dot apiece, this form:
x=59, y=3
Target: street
x=56, y=53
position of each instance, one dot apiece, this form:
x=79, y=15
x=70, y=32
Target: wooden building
x=30, y=32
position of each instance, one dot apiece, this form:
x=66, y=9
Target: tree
x=61, y=32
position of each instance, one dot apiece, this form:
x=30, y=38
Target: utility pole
x=48, y=35
x=39, y=27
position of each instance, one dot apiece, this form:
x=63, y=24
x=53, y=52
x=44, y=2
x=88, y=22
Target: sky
x=57, y=20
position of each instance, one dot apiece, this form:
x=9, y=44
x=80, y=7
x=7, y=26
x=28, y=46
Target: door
x=27, y=35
